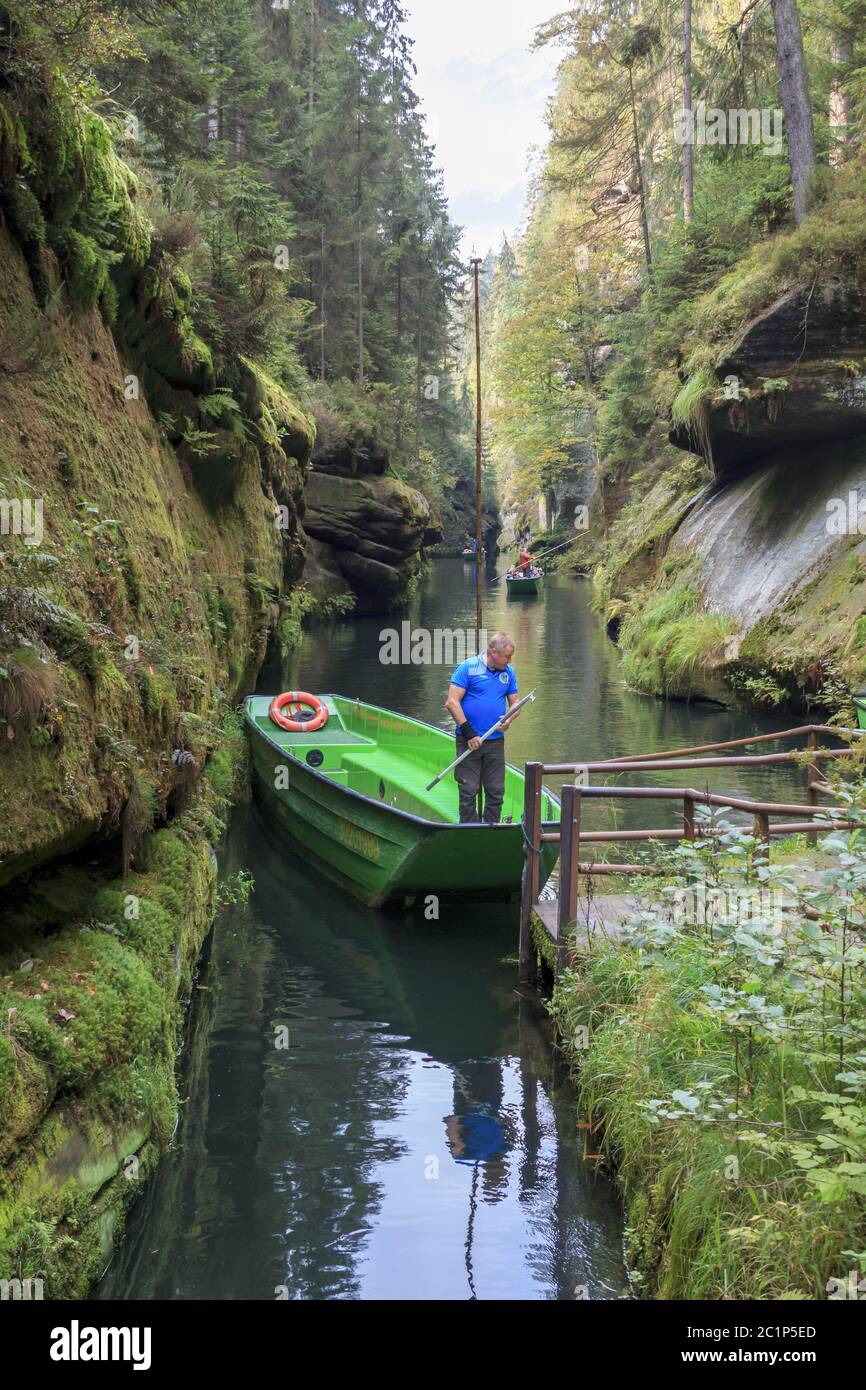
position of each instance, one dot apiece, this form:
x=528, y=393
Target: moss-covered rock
x=281, y=420
x=130, y=562
x=63, y=1201
x=92, y=1017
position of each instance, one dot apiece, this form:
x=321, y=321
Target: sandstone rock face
x=760, y=541
x=778, y=539
x=375, y=528
x=559, y=506
x=815, y=341
x=371, y=576
x=321, y=572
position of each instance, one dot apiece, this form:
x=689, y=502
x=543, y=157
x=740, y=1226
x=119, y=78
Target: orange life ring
x=298, y=726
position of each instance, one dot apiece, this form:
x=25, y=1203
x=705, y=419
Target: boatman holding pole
x=482, y=690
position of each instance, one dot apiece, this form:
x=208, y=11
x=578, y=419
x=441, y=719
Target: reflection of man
x=474, y=1136
x=480, y=1132
x=482, y=690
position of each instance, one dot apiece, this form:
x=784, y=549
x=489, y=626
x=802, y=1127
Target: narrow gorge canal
x=417, y=1137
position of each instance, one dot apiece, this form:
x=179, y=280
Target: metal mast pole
x=475, y=263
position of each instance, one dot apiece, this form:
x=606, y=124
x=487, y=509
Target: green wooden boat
x=860, y=706
x=519, y=585
x=352, y=799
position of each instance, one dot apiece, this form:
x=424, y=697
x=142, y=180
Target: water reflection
x=416, y=1139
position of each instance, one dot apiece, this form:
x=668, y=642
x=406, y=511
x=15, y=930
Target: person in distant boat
x=473, y=543
x=482, y=690
x=526, y=562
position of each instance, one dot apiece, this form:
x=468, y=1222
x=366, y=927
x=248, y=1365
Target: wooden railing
x=571, y=838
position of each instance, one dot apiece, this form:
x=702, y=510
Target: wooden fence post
x=813, y=773
x=688, y=817
x=569, y=871
x=762, y=830
x=531, y=883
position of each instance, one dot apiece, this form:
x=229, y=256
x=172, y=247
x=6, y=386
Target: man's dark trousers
x=485, y=767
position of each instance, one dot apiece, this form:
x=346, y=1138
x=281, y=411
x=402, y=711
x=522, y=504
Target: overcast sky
x=484, y=95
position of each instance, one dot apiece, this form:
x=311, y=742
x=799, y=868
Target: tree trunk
x=644, y=222
x=322, y=304
x=360, y=301
x=360, y=195
x=311, y=77
x=418, y=394
x=400, y=379
x=688, y=147
x=841, y=114
x=791, y=65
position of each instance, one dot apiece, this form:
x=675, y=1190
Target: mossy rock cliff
x=151, y=520
x=169, y=502
x=737, y=571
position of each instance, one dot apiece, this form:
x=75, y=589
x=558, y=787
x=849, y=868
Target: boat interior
x=386, y=757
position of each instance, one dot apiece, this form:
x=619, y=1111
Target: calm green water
x=416, y=1138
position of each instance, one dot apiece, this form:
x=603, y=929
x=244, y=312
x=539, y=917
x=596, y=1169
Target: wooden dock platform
x=599, y=920
x=601, y=917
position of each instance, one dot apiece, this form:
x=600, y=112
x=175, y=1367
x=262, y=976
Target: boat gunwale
x=373, y=801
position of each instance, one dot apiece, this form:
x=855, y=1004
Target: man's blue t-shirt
x=485, y=699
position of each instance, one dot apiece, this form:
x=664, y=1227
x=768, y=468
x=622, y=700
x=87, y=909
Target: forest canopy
x=682, y=136
x=283, y=166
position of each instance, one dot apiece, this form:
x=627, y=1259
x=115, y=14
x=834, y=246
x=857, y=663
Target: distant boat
x=352, y=798
x=519, y=585
x=472, y=554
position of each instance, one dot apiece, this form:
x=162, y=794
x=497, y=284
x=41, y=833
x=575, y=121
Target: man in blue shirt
x=482, y=689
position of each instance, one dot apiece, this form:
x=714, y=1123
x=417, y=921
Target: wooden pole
x=475, y=263
x=762, y=831
x=813, y=774
x=732, y=743
x=569, y=871
x=531, y=886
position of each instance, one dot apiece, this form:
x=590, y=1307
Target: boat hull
x=521, y=588
x=860, y=706
x=377, y=852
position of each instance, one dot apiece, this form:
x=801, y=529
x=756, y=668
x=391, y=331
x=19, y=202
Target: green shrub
x=724, y=1074
x=669, y=641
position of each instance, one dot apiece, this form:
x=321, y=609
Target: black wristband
x=467, y=731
